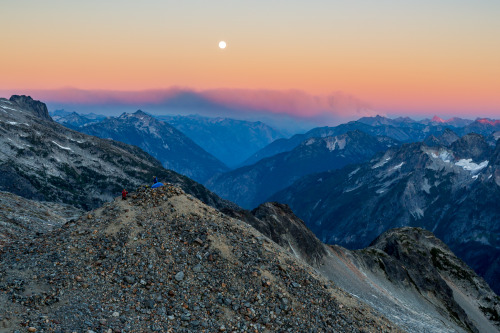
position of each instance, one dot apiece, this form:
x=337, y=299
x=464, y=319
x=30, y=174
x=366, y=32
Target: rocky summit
x=164, y=261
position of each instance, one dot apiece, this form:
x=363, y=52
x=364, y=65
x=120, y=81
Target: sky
x=403, y=57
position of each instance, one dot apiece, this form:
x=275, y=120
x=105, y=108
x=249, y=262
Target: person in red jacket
x=124, y=194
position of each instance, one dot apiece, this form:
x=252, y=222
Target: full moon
x=222, y=44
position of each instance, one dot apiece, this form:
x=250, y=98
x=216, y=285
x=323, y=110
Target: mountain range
x=164, y=260
x=450, y=190
x=402, y=129
x=74, y=120
x=41, y=159
x=168, y=145
x=251, y=185
x=231, y=141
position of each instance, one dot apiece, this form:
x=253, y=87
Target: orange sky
x=425, y=56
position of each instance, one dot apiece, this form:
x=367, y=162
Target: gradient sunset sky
x=402, y=57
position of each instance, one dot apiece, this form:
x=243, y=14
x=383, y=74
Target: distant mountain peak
x=488, y=121
x=140, y=113
x=437, y=119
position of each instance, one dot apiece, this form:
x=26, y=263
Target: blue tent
x=156, y=185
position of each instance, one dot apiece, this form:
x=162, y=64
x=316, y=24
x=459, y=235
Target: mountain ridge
x=41, y=159
x=449, y=191
x=251, y=185
x=171, y=147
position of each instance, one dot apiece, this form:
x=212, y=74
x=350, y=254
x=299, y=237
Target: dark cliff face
x=281, y=225
x=471, y=146
x=287, y=230
x=444, y=139
x=38, y=108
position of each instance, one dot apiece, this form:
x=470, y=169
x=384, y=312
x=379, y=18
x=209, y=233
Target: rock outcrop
x=37, y=108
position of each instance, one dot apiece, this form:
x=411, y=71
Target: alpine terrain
x=231, y=141
x=402, y=129
x=164, y=261
x=172, y=148
x=451, y=190
x=251, y=185
x=41, y=159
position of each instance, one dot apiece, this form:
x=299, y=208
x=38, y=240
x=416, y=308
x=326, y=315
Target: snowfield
x=468, y=165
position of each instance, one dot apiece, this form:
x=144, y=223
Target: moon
x=222, y=44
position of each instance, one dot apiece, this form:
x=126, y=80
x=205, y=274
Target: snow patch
x=6, y=107
x=12, y=123
x=381, y=163
x=468, y=165
x=310, y=141
x=483, y=240
x=333, y=143
x=426, y=187
x=77, y=141
x=398, y=166
x=354, y=172
x=445, y=156
x=350, y=189
x=62, y=147
x=418, y=213
x=317, y=203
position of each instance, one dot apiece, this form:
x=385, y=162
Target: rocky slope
x=43, y=160
x=251, y=185
x=164, y=261
x=407, y=274
x=452, y=191
x=171, y=147
x=20, y=217
x=414, y=279
x=279, y=223
x=231, y=141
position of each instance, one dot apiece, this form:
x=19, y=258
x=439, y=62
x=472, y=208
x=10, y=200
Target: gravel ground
x=163, y=261
x=20, y=217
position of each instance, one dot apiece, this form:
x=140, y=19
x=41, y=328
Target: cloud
x=226, y=102
x=291, y=102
